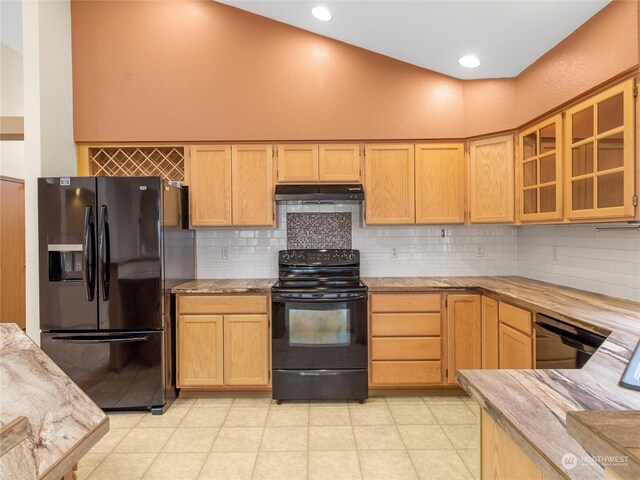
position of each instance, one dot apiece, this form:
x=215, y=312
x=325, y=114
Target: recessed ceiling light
x=469, y=61
x=321, y=13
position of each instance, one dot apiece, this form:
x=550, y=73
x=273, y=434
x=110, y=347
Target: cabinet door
x=12, y=246
x=489, y=333
x=440, y=183
x=599, y=156
x=253, y=185
x=246, y=350
x=491, y=180
x=210, y=185
x=389, y=184
x=540, y=171
x=339, y=163
x=464, y=333
x=199, y=345
x=516, y=348
x=297, y=163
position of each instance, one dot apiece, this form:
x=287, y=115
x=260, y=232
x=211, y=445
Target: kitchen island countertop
x=62, y=422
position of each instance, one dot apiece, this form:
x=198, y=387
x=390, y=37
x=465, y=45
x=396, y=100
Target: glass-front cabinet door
x=599, y=156
x=540, y=171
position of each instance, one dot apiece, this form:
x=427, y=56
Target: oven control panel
x=319, y=257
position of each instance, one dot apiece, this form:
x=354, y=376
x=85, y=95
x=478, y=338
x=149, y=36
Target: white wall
x=11, y=93
x=421, y=250
x=48, y=120
x=603, y=262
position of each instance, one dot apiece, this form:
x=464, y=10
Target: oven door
x=319, y=333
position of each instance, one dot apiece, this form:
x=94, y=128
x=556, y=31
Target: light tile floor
x=388, y=438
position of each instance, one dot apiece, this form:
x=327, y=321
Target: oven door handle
x=280, y=297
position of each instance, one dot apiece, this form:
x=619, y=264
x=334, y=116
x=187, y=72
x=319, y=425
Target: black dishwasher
x=562, y=345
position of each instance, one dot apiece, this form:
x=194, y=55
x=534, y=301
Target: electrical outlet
x=394, y=252
x=479, y=250
x=554, y=255
x=225, y=253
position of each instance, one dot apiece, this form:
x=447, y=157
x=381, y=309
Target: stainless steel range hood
x=319, y=194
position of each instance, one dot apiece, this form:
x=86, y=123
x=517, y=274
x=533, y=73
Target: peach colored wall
x=605, y=46
x=197, y=71
x=201, y=71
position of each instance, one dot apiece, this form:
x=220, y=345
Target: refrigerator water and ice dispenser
x=65, y=262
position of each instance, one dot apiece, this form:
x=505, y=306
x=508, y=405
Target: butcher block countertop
x=532, y=405
x=47, y=422
x=226, y=286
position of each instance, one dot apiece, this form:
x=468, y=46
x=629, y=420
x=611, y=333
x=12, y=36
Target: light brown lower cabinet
x=246, y=350
x=222, y=341
x=405, y=346
x=200, y=347
x=502, y=458
x=490, y=346
x=515, y=348
x=463, y=333
x=515, y=337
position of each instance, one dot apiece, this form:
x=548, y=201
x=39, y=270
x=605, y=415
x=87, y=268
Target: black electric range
x=319, y=333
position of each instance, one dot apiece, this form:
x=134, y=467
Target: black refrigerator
x=110, y=250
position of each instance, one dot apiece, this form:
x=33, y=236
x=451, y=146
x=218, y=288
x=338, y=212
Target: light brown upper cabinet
x=297, y=163
x=252, y=185
x=231, y=186
x=329, y=163
x=210, y=185
x=491, y=180
x=540, y=171
x=440, y=183
x=389, y=184
x=339, y=163
x=599, y=161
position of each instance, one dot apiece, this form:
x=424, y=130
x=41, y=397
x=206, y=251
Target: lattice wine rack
x=166, y=162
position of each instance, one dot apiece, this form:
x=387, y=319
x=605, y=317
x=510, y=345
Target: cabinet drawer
x=408, y=348
x=515, y=317
x=405, y=324
x=406, y=373
x=222, y=304
x=405, y=302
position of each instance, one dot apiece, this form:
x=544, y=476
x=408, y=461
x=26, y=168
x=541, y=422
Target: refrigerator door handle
x=105, y=252
x=99, y=339
x=88, y=252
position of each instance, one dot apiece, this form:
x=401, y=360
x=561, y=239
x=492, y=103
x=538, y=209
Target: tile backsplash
x=578, y=256
x=602, y=262
x=319, y=230
x=420, y=250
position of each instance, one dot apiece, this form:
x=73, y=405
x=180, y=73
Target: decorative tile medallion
x=319, y=230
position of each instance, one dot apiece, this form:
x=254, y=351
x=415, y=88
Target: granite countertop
x=62, y=422
x=224, y=286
